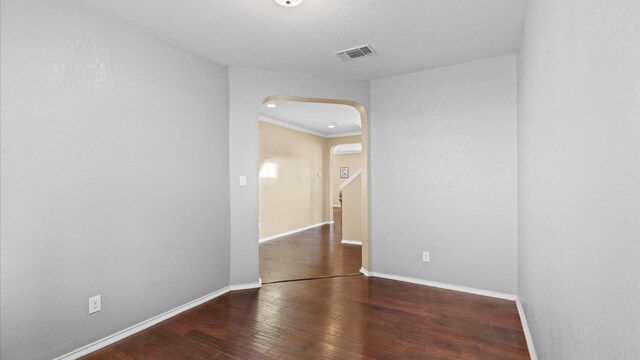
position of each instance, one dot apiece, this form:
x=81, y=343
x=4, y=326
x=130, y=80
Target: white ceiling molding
x=343, y=135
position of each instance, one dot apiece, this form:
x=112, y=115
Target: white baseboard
x=255, y=285
x=444, y=286
x=293, y=231
x=523, y=319
x=337, y=206
x=527, y=332
x=94, y=346
x=97, y=345
x=351, y=242
x=365, y=272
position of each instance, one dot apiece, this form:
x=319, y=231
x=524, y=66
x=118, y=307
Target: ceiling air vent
x=356, y=52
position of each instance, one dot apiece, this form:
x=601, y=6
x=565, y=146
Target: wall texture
x=579, y=178
x=114, y=177
x=295, y=198
x=443, y=175
x=248, y=89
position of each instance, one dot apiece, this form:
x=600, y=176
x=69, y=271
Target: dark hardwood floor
x=345, y=317
x=311, y=253
x=351, y=317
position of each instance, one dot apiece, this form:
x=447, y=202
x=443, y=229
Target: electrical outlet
x=426, y=257
x=95, y=304
x=243, y=180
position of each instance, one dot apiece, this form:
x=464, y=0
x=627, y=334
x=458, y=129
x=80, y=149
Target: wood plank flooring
x=351, y=317
x=311, y=253
x=348, y=317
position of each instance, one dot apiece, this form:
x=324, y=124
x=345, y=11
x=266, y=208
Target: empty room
x=319, y=179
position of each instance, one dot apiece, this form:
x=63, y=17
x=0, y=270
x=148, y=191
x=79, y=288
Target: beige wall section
x=294, y=198
x=352, y=226
x=353, y=162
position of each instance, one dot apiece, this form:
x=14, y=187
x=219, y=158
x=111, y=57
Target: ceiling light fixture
x=271, y=105
x=289, y=3
x=332, y=125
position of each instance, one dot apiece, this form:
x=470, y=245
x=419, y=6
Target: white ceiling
x=313, y=118
x=408, y=35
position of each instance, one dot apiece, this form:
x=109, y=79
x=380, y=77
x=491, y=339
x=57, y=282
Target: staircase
x=351, y=200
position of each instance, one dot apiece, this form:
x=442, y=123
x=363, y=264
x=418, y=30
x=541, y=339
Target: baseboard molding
x=97, y=345
x=337, y=206
x=365, y=272
x=351, y=242
x=527, y=332
x=440, y=285
x=255, y=285
x=293, y=231
x=523, y=319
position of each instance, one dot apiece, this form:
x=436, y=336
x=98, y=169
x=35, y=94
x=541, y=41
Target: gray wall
x=248, y=89
x=443, y=175
x=114, y=177
x=579, y=178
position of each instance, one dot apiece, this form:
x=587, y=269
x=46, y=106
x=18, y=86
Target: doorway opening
x=305, y=165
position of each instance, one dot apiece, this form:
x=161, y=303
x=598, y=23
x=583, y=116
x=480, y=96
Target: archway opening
x=275, y=168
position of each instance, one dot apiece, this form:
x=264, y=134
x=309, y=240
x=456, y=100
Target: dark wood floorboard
x=311, y=253
x=349, y=317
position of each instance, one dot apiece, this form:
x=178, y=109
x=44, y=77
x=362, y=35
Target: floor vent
x=356, y=52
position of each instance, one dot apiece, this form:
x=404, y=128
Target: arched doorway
x=363, y=172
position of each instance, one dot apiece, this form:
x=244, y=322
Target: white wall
x=114, y=177
x=443, y=175
x=248, y=88
x=579, y=178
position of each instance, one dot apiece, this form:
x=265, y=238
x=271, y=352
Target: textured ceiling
x=408, y=35
x=314, y=118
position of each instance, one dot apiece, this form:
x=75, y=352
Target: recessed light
x=271, y=105
x=331, y=126
x=289, y=3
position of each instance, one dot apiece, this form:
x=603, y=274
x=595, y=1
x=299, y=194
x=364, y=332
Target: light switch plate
x=95, y=304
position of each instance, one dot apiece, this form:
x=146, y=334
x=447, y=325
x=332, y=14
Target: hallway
x=313, y=253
